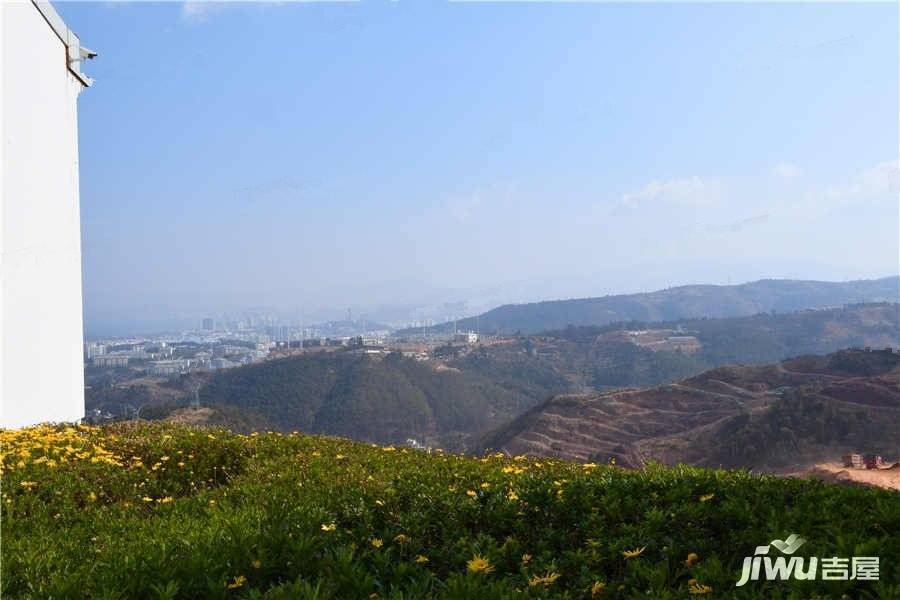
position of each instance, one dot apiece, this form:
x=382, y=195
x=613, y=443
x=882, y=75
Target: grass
x=161, y=511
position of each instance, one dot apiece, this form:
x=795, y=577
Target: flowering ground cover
x=162, y=511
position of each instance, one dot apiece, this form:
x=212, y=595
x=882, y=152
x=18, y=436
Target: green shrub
x=160, y=511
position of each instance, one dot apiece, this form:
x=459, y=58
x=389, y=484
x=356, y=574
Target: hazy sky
x=308, y=156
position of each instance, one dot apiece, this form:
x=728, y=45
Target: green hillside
x=444, y=402
x=692, y=301
x=602, y=359
x=380, y=400
x=157, y=511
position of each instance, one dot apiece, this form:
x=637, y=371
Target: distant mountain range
x=788, y=415
x=685, y=302
x=452, y=402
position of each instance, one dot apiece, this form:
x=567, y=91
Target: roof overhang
x=75, y=52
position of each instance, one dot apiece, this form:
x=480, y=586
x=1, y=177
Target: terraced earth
x=783, y=416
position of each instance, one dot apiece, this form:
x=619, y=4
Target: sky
x=391, y=157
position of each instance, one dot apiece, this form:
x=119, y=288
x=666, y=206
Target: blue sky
x=393, y=156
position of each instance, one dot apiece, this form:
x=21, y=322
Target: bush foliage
x=161, y=511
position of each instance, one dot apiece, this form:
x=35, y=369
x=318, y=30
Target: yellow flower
x=597, y=589
x=485, y=485
x=634, y=553
x=239, y=580
x=471, y=493
x=379, y=503
x=400, y=538
x=691, y=560
x=588, y=467
x=421, y=559
x=147, y=499
x=699, y=589
x=546, y=579
x=165, y=500
x=329, y=527
x=526, y=558
x=512, y=495
x=92, y=496
x=479, y=564
x=707, y=498
x=28, y=484
x=256, y=564
x=377, y=543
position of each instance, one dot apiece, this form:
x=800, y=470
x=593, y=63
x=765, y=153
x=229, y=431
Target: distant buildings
x=466, y=337
x=854, y=460
x=208, y=324
x=657, y=340
x=110, y=361
x=168, y=368
x=92, y=349
x=222, y=363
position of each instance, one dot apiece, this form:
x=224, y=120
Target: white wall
x=41, y=369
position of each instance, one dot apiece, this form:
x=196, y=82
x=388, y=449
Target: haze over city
x=438, y=300
x=394, y=157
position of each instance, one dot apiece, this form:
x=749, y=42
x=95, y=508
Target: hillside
x=640, y=353
x=685, y=302
x=443, y=402
x=385, y=400
x=160, y=511
x=775, y=417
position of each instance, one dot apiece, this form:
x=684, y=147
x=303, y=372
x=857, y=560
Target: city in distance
x=449, y=300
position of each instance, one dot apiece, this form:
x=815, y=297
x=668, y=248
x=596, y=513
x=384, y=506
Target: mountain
x=385, y=400
x=692, y=301
x=774, y=417
x=447, y=401
x=451, y=401
x=641, y=354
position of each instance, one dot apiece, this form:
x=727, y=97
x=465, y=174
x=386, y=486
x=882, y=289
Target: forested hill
x=692, y=301
x=379, y=400
x=638, y=354
x=444, y=401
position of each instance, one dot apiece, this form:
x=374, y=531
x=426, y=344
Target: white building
x=41, y=369
x=92, y=349
x=110, y=361
x=166, y=368
x=466, y=337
